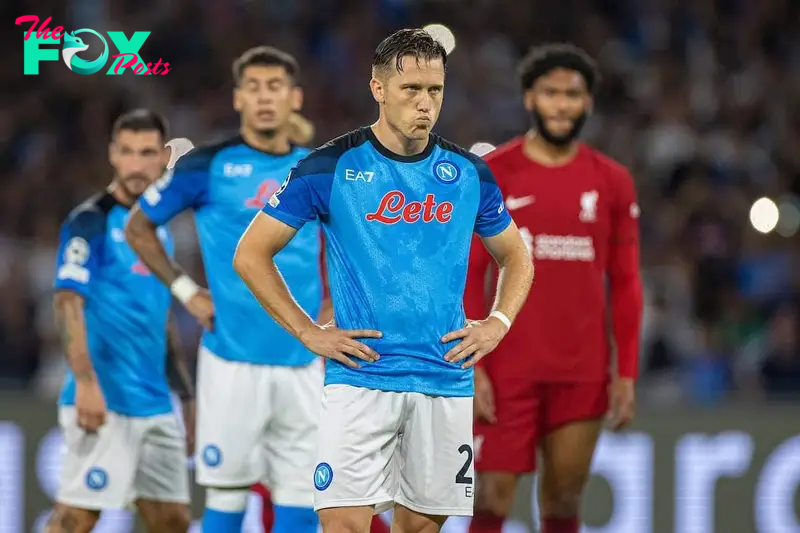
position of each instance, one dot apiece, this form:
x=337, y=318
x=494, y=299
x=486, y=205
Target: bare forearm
x=178, y=374
x=515, y=276
x=326, y=311
x=267, y=285
x=68, y=308
x=141, y=235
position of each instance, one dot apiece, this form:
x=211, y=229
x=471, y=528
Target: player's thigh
x=67, y=519
x=233, y=408
x=509, y=444
x=437, y=456
x=162, y=475
x=290, y=441
x=98, y=470
x=358, y=435
x=575, y=414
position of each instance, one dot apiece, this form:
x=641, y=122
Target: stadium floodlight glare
x=443, y=34
x=481, y=148
x=789, y=217
x=764, y=215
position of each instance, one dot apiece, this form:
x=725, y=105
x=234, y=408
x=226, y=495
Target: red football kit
x=580, y=222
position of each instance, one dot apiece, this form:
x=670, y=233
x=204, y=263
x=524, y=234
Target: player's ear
x=589, y=105
x=297, y=98
x=377, y=88
x=529, y=99
x=237, y=101
x=112, y=154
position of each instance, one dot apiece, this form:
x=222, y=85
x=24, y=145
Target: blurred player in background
x=123, y=443
x=258, y=388
x=547, y=386
x=398, y=205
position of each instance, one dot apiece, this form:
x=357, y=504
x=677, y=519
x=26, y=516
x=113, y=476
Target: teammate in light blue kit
x=398, y=205
x=123, y=443
x=258, y=388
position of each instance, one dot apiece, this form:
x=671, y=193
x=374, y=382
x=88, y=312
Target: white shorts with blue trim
x=380, y=448
x=128, y=459
x=258, y=423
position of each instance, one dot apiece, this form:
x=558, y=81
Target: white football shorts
x=258, y=423
x=128, y=459
x=379, y=448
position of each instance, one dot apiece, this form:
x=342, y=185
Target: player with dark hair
x=547, y=386
x=398, y=206
x=258, y=388
x=123, y=442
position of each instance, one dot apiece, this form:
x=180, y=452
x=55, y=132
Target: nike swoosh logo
x=516, y=203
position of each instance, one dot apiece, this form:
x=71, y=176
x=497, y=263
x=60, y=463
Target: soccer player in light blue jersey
x=123, y=443
x=398, y=205
x=258, y=388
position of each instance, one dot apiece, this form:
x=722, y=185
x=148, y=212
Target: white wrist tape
x=499, y=315
x=184, y=288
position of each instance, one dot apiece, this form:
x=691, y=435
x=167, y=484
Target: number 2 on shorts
x=462, y=476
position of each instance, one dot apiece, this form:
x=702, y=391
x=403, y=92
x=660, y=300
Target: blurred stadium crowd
x=700, y=99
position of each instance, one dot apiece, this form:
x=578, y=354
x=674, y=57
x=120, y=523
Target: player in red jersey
x=549, y=382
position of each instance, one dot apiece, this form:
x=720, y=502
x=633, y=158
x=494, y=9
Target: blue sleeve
x=185, y=187
x=79, y=251
x=305, y=194
x=493, y=216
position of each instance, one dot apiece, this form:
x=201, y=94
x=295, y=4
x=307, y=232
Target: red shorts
x=526, y=414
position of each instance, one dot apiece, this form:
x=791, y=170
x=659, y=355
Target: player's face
x=412, y=98
x=559, y=103
x=266, y=98
x=139, y=158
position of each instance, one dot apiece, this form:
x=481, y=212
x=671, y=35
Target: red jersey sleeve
x=623, y=273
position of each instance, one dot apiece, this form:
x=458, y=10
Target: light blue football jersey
x=126, y=308
x=397, y=233
x=226, y=184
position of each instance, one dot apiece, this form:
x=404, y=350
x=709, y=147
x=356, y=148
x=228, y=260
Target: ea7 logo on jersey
x=232, y=170
x=588, y=207
x=359, y=175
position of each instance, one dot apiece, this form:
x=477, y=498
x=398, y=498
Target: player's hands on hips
x=331, y=342
x=484, y=397
x=89, y=405
x=478, y=338
x=623, y=403
x=202, y=308
x=188, y=409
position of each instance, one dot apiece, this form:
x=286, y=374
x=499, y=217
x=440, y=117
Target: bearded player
x=123, y=442
x=548, y=385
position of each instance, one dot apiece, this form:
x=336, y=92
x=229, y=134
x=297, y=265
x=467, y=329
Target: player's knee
x=345, y=520
x=495, y=493
x=227, y=500
x=71, y=520
x=562, y=501
x=177, y=519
